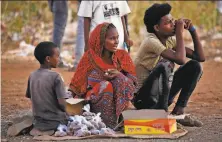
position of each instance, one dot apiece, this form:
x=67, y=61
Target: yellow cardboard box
x=74, y=106
x=148, y=121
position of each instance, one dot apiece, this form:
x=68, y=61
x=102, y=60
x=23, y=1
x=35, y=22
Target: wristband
x=192, y=29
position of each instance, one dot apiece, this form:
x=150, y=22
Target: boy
x=156, y=57
x=46, y=92
x=46, y=89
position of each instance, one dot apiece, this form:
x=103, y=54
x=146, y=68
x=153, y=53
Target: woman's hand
x=111, y=74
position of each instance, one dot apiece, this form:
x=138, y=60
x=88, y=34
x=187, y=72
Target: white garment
x=105, y=11
x=219, y=6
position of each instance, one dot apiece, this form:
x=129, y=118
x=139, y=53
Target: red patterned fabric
x=109, y=98
x=92, y=60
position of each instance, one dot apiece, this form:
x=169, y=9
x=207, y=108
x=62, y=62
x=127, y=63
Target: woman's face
x=111, y=40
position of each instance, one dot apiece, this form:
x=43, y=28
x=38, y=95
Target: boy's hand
x=111, y=73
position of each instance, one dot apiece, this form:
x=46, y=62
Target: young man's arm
x=198, y=53
x=178, y=56
x=87, y=21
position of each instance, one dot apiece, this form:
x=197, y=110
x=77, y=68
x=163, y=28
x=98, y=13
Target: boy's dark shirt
x=45, y=87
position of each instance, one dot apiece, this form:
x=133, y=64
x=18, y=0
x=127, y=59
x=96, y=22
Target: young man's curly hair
x=153, y=15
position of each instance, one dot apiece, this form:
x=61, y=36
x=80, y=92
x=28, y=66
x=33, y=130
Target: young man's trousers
x=157, y=91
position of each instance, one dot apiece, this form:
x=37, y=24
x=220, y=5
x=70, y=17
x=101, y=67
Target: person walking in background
x=219, y=14
x=80, y=42
x=96, y=12
x=60, y=16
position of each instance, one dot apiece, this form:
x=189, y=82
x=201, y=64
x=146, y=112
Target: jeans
x=80, y=42
x=156, y=92
x=60, y=15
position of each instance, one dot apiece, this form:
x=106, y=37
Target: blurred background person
x=105, y=11
x=60, y=16
x=80, y=43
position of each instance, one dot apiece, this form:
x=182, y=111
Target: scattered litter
x=4, y=140
x=218, y=51
x=61, y=131
x=16, y=37
x=70, y=33
x=218, y=59
x=25, y=49
x=203, y=42
x=67, y=58
x=217, y=36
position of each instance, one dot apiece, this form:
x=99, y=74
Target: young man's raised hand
x=179, y=25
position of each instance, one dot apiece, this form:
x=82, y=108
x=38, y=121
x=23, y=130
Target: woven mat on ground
x=175, y=135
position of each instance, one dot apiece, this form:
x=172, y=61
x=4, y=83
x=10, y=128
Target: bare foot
x=36, y=132
x=130, y=106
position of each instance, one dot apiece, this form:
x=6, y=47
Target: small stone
x=218, y=59
x=4, y=140
x=9, y=123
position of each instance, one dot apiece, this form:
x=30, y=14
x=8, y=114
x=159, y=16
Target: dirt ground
x=206, y=101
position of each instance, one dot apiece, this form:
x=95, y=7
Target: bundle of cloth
x=88, y=123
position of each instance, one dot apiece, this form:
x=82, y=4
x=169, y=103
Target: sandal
x=190, y=121
x=22, y=127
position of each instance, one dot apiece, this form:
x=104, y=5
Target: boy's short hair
x=44, y=49
x=153, y=15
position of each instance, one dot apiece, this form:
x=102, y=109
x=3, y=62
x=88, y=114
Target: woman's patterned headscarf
x=92, y=60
